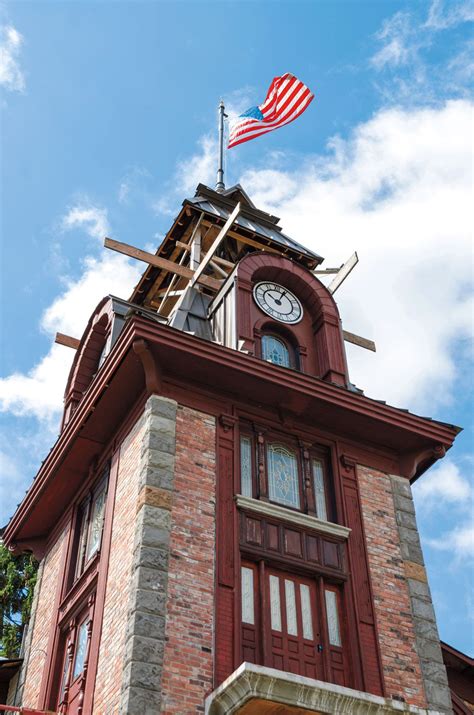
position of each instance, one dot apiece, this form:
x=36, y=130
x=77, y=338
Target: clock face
x=278, y=302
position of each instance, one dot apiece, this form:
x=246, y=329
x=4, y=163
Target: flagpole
x=220, y=186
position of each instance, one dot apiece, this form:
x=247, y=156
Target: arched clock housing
x=280, y=312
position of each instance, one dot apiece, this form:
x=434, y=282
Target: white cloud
x=408, y=71
x=85, y=215
x=34, y=399
x=398, y=190
x=442, y=18
x=459, y=542
x=445, y=484
x=132, y=182
x=199, y=168
x=11, y=74
x=11, y=488
x=448, y=494
x=39, y=392
x=397, y=39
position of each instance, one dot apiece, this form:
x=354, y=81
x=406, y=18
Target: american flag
x=286, y=99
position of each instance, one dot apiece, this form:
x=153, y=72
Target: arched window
x=283, y=482
x=275, y=350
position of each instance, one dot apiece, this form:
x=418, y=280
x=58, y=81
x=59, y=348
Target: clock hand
x=282, y=295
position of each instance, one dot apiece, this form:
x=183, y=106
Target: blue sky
x=108, y=116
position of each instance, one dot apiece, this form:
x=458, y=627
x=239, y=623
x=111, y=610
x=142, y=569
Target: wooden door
x=293, y=625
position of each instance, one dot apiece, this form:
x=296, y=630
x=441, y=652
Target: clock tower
x=225, y=523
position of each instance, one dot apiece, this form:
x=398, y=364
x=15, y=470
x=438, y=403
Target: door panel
x=294, y=629
x=293, y=623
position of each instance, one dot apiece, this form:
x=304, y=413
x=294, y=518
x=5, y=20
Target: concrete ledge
x=267, y=686
x=294, y=517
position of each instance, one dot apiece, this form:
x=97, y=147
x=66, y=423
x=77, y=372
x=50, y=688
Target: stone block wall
x=426, y=632
x=167, y=666
x=145, y=633
x=403, y=608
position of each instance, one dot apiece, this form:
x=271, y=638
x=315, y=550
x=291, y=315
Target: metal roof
x=246, y=221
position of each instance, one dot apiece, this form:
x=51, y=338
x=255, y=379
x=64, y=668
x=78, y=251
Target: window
x=89, y=526
x=274, y=350
x=285, y=473
x=283, y=482
x=80, y=654
x=76, y=640
x=319, y=489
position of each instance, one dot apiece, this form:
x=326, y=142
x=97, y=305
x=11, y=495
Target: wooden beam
x=158, y=282
x=169, y=293
x=217, y=268
x=343, y=273
x=67, y=340
x=223, y=262
x=248, y=241
x=357, y=340
x=326, y=271
x=162, y=263
x=218, y=239
x=216, y=259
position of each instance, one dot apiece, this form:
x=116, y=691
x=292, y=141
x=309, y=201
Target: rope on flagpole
x=220, y=186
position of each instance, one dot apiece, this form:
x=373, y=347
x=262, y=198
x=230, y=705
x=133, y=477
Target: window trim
x=283, y=342
x=296, y=351
x=294, y=517
x=306, y=453
x=79, y=561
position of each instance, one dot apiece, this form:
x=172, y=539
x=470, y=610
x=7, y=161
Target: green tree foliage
x=17, y=582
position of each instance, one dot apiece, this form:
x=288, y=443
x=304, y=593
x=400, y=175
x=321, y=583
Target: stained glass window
x=319, y=491
x=332, y=618
x=96, y=523
x=275, y=351
x=64, y=675
x=89, y=526
x=246, y=466
x=81, y=646
x=248, y=615
x=282, y=468
x=81, y=548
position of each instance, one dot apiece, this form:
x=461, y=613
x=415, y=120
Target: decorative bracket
x=409, y=463
x=227, y=422
x=153, y=377
x=348, y=463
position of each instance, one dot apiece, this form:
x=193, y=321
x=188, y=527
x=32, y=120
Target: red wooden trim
x=324, y=636
x=153, y=374
x=373, y=680
x=227, y=563
x=102, y=583
x=217, y=356
x=263, y=612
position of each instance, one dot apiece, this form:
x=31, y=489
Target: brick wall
x=401, y=665
x=188, y=660
x=111, y=658
x=46, y=597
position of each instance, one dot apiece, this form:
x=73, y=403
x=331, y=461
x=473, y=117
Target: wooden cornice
x=235, y=368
